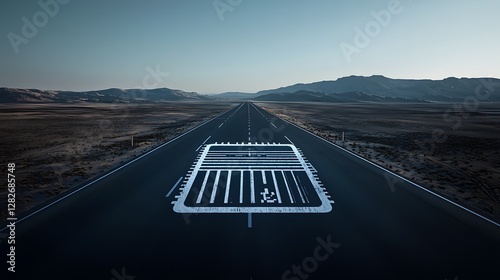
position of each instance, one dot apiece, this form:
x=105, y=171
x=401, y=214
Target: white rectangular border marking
x=180, y=207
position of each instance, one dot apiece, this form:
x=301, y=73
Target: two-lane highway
x=250, y=196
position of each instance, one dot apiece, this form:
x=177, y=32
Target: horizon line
x=242, y=92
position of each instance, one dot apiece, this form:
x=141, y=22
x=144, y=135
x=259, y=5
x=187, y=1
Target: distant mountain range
x=13, y=95
x=380, y=88
x=313, y=96
x=348, y=89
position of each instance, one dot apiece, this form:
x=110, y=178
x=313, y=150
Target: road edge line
x=388, y=171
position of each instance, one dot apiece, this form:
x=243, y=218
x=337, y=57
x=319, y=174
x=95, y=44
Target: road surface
x=250, y=196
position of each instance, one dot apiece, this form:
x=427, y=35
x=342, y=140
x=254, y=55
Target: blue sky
x=246, y=45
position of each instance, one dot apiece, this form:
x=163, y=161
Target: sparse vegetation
x=57, y=146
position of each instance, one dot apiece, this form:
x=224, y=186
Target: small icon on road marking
x=268, y=197
x=227, y=178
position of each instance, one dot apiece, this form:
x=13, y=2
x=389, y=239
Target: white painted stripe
x=274, y=125
x=264, y=179
x=255, y=168
x=119, y=168
x=241, y=186
x=200, y=195
x=173, y=188
x=271, y=153
x=253, y=157
x=214, y=190
x=237, y=157
x=245, y=144
x=248, y=164
x=221, y=125
x=257, y=152
x=304, y=190
x=249, y=220
x=298, y=188
x=254, y=144
x=267, y=160
x=239, y=168
x=253, y=163
x=244, y=156
x=252, y=188
x=287, y=188
x=228, y=183
x=276, y=187
x=289, y=140
x=251, y=166
x=233, y=155
x=256, y=209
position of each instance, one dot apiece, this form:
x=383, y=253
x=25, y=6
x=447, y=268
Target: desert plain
x=454, y=153
x=449, y=148
x=57, y=147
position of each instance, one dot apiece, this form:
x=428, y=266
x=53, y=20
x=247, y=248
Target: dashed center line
x=231, y=115
x=249, y=122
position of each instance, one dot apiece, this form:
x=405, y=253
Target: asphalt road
x=360, y=221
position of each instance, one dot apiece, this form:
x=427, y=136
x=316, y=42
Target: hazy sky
x=242, y=45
